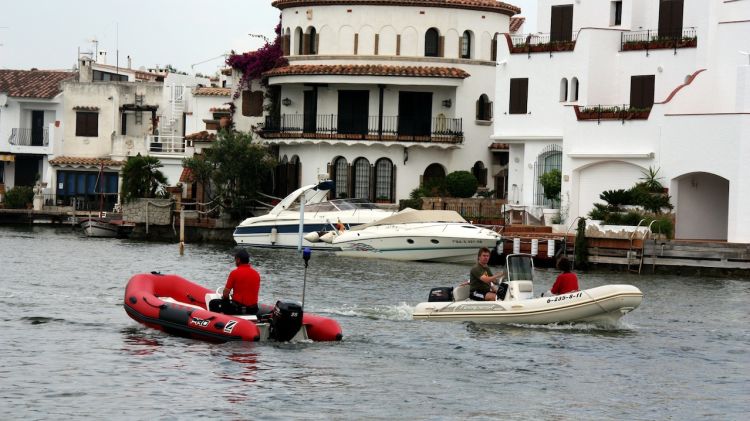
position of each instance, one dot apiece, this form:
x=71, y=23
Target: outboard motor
x=286, y=320
x=441, y=294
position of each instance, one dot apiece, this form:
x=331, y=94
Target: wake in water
x=401, y=311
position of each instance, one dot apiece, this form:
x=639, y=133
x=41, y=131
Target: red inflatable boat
x=175, y=305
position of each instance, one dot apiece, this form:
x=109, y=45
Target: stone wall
x=151, y=211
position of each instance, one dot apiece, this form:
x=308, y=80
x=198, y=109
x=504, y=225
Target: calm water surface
x=71, y=352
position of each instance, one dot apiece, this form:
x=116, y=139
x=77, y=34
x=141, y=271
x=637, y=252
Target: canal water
x=70, y=351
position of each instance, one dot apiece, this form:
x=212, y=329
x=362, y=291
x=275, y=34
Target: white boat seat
x=461, y=292
x=520, y=290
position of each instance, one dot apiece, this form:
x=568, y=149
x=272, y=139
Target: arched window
x=431, y=43
x=563, y=90
x=298, y=44
x=384, y=180
x=433, y=178
x=549, y=159
x=340, y=177
x=361, y=177
x=312, y=41
x=285, y=41
x=480, y=173
x=484, y=108
x=466, y=45
x=574, y=89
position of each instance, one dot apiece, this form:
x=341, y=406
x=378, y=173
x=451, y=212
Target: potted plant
x=551, y=182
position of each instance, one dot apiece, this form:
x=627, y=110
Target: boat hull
x=177, y=306
x=100, y=227
x=602, y=305
x=427, y=249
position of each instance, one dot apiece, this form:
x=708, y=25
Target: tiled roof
x=485, y=5
x=32, y=83
x=368, y=70
x=94, y=162
x=515, y=23
x=202, y=136
x=219, y=109
x=186, y=176
x=85, y=108
x=212, y=91
x=497, y=146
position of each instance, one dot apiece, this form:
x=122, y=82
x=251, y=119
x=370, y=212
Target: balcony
x=653, y=39
x=168, y=145
x=540, y=43
x=29, y=137
x=376, y=128
x=622, y=112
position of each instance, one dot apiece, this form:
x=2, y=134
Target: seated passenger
x=244, y=282
x=567, y=281
x=481, y=279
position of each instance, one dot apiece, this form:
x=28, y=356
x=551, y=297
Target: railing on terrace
x=24, y=137
x=540, y=43
x=165, y=144
x=611, y=112
x=385, y=128
x=653, y=39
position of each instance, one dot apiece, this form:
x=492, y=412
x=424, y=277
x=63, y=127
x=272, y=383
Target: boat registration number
x=564, y=297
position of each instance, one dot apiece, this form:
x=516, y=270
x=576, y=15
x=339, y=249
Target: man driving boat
x=481, y=279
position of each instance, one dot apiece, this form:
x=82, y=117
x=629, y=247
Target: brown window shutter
x=393, y=183
x=255, y=108
x=561, y=23
x=377, y=43
x=317, y=43
x=478, y=112
x=519, y=89
x=285, y=44
x=441, y=46
x=246, y=103
x=493, y=53
x=356, y=43
x=460, y=46
x=305, y=44
x=398, y=44
x=488, y=110
x=648, y=91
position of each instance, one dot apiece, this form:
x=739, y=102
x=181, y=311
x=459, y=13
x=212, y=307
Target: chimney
x=130, y=63
x=102, y=57
x=85, y=72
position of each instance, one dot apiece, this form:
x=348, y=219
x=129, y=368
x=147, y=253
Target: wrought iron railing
x=541, y=42
x=29, y=137
x=654, y=39
x=165, y=144
x=389, y=128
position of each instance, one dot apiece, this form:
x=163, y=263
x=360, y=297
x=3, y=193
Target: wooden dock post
x=182, y=230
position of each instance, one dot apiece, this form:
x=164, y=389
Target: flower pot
x=551, y=216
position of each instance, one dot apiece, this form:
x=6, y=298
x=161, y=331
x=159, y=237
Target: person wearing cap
x=244, y=283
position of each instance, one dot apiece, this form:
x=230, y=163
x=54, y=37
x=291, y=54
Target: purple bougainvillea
x=254, y=63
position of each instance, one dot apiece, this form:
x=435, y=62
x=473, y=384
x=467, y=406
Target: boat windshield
x=335, y=205
x=520, y=267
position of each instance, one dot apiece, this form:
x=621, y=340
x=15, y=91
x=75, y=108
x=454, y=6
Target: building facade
x=611, y=89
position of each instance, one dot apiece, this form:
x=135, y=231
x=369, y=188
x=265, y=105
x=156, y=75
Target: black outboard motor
x=441, y=294
x=286, y=320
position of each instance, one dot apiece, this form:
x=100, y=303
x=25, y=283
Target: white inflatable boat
x=603, y=305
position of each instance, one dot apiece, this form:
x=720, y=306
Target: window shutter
x=246, y=103
x=349, y=180
x=487, y=111
x=519, y=88
x=441, y=46
x=285, y=44
x=393, y=184
x=373, y=181
x=356, y=43
x=460, y=47
x=479, y=109
x=493, y=52
x=377, y=43
x=305, y=44
x=398, y=44
x=317, y=43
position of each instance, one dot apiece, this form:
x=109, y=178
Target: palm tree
x=141, y=178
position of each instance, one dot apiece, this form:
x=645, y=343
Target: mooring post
x=182, y=230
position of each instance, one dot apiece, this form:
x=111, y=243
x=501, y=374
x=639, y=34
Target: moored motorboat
x=603, y=305
x=419, y=235
x=280, y=226
x=175, y=305
x=107, y=227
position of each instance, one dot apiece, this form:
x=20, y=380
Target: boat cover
x=411, y=216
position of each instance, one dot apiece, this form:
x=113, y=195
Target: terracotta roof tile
x=497, y=146
x=515, y=23
x=87, y=162
x=202, y=136
x=368, y=70
x=32, y=83
x=212, y=91
x=186, y=176
x=485, y=5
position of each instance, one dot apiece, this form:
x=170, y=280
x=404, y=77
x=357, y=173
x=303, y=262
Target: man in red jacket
x=566, y=281
x=244, y=283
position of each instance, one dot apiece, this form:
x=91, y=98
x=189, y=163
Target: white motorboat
x=280, y=226
x=601, y=305
x=420, y=235
x=106, y=227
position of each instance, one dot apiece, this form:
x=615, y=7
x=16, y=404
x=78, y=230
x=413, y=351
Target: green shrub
x=663, y=226
x=18, y=197
x=410, y=203
x=599, y=212
x=551, y=182
x=617, y=198
x=461, y=184
x=581, y=246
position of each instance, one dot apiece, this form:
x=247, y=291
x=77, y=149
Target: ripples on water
x=70, y=351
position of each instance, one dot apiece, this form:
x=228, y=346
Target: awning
x=7, y=158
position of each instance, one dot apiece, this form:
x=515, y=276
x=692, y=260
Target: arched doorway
x=433, y=178
x=601, y=176
x=702, y=211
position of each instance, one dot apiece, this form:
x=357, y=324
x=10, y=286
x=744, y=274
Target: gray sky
x=46, y=34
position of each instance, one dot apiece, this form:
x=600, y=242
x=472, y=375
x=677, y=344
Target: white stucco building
x=384, y=95
x=679, y=58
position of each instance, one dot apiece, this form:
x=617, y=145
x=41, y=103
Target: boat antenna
x=306, y=257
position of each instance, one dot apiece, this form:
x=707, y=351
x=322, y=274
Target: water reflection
x=138, y=343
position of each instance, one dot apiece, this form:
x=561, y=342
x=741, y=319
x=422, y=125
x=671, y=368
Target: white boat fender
x=312, y=237
x=274, y=235
x=328, y=237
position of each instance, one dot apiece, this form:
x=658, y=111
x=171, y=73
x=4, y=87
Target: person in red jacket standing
x=244, y=283
x=566, y=281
